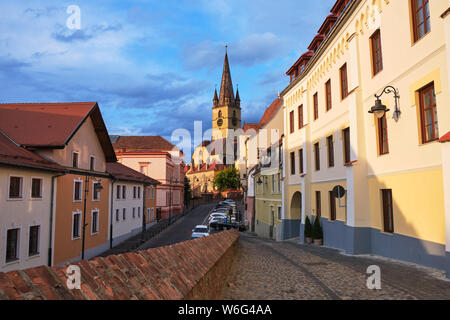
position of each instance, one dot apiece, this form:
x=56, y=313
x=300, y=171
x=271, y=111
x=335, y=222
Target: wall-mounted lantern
x=379, y=109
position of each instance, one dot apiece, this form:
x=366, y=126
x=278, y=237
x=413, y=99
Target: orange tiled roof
x=165, y=273
x=445, y=138
x=12, y=154
x=121, y=172
x=51, y=125
x=270, y=112
x=143, y=143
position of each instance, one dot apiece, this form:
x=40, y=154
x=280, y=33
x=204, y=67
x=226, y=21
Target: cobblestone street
x=287, y=270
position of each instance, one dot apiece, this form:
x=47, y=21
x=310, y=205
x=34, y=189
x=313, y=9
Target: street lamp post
x=97, y=188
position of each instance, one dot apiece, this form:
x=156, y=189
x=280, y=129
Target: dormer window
x=75, y=159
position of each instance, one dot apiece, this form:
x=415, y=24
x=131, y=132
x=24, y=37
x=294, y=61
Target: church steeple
x=216, y=99
x=226, y=96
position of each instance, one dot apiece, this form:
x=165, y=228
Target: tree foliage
x=227, y=179
x=187, y=191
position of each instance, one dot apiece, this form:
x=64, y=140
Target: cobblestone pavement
x=268, y=270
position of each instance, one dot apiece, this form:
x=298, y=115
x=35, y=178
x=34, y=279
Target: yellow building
x=389, y=161
x=268, y=185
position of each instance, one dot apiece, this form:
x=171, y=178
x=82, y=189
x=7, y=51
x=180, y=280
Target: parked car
x=216, y=215
x=216, y=220
x=230, y=201
x=200, y=231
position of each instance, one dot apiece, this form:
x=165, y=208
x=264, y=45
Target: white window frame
x=78, y=159
x=93, y=191
x=38, y=240
x=92, y=221
x=21, y=187
x=81, y=191
x=92, y=157
x=79, y=225
x=280, y=213
x=18, y=244
x=31, y=188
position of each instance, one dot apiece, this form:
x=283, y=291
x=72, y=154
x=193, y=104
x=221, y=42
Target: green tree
x=227, y=179
x=317, y=229
x=308, y=228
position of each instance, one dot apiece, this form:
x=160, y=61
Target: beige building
x=389, y=161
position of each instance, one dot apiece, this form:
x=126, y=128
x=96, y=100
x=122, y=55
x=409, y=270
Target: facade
x=201, y=177
x=155, y=157
x=391, y=164
x=268, y=183
x=26, y=192
x=74, y=136
x=132, y=209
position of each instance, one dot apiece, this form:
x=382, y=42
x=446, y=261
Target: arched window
x=234, y=113
x=220, y=114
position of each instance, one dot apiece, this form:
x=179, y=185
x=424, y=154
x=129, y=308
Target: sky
x=152, y=65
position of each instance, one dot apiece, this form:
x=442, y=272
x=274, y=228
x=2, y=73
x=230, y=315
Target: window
x=330, y=147
x=124, y=214
x=153, y=214
x=118, y=192
x=300, y=153
x=332, y=206
x=75, y=156
x=36, y=188
x=279, y=182
x=344, y=82
x=139, y=212
x=94, y=222
x=124, y=192
x=346, y=137
x=291, y=122
x=33, y=244
x=273, y=183
x=388, y=216
x=15, y=187
x=316, y=106
x=134, y=213
x=92, y=163
x=428, y=114
x=317, y=155
x=279, y=213
x=318, y=205
x=95, y=191
x=77, y=190
x=76, y=225
x=117, y=215
x=421, y=18
x=328, y=95
x=377, y=58
x=383, y=146
x=12, y=245
x=292, y=163
x=300, y=117
x=134, y=192
x=139, y=192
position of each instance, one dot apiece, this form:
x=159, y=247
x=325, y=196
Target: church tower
x=226, y=107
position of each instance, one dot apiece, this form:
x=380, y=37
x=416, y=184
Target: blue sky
x=153, y=65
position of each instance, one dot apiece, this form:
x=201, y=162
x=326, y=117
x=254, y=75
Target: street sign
x=339, y=192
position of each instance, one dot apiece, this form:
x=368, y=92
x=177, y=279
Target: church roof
x=226, y=96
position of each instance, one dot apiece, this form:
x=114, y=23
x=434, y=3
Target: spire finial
x=226, y=48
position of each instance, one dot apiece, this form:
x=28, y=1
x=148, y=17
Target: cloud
x=64, y=34
x=251, y=50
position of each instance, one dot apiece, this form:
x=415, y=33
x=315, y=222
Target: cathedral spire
x=226, y=96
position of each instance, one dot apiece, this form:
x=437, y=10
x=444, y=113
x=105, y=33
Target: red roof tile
x=250, y=126
x=170, y=273
x=143, y=143
x=12, y=154
x=121, y=172
x=270, y=112
x=445, y=138
x=51, y=125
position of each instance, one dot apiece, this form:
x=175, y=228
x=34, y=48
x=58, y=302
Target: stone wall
x=195, y=269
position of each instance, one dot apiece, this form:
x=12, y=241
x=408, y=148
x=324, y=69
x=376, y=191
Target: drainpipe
x=52, y=200
x=143, y=211
x=112, y=215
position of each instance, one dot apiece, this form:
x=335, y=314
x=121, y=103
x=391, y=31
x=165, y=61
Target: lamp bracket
x=393, y=90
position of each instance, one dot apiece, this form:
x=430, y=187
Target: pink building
x=156, y=157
